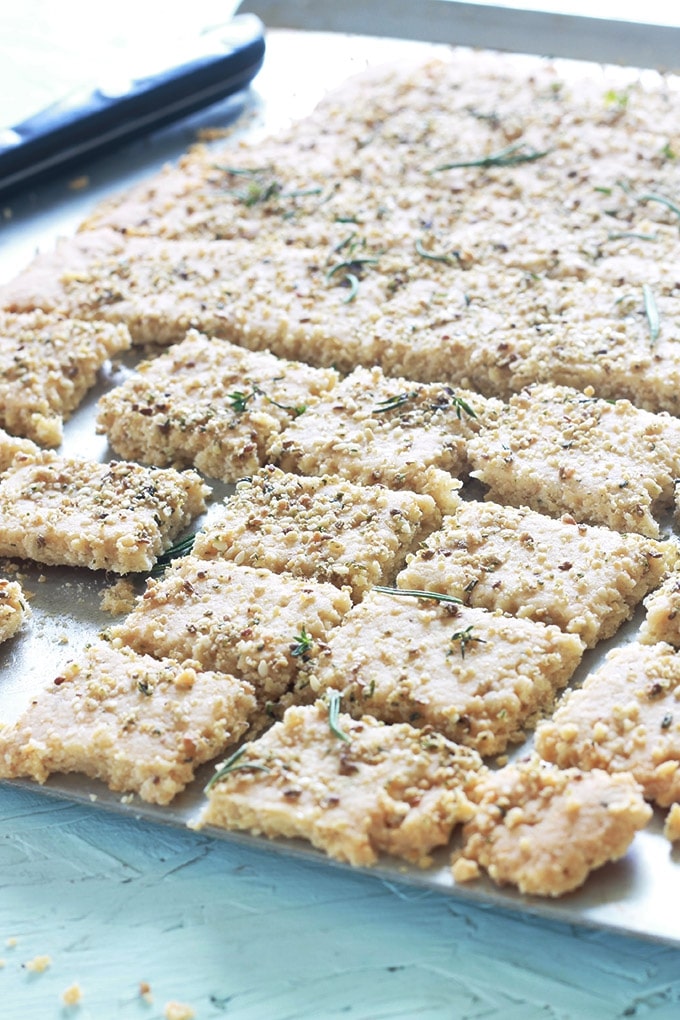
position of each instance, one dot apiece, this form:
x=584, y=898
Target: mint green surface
x=251, y=935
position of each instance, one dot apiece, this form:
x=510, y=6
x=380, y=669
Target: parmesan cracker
x=324, y=528
x=389, y=789
x=623, y=719
x=477, y=677
x=544, y=830
x=140, y=724
x=585, y=579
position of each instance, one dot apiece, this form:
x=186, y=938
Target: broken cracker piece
x=544, y=830
x=477, y=677
x=139, y=724
x=585, y=579
x=375, y=789
x=117, y=516
x=323, y=527
x=624, y=718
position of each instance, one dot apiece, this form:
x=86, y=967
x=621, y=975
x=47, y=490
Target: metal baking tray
x=631, y=896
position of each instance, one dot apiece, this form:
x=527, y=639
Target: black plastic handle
x=67, y=132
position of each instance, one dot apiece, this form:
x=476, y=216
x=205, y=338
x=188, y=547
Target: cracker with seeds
x=265, y=627
x=625, y=718
x=662, y=618
x=323, y=527
x=477, y=677
x=137, y=723
x=354, y=789
x=585, y=579
x=47, y=365
x=117, y=516
x=558, y=451
x=263, y=297
x=395, y=432
x=210, y=404
x=14, y=608
x=544, y=830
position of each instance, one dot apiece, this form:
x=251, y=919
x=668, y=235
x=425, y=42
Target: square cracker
x=477, y=677
x=584, y=579
x=117, y=516
x=138, y=723
x=624, y=718
x=318, y=527
x=374, y=429
x=267, y=628
x=559, y=451
x=47, y=365
x=209, y=404
x=376, y=788
x=544, y=830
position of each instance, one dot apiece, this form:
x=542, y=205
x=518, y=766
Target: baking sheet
x=633, y=895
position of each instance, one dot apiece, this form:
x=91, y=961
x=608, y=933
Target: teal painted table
x=251, y=935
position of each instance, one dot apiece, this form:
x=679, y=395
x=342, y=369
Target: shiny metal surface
x=634, y=895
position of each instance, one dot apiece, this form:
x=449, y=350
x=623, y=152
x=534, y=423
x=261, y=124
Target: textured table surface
x=251, y=935
x=120, y=906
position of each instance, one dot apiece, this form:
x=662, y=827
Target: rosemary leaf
x=619, y=235
x=353, y=282
x=302, y=644
x=417, y=594
x=392, y=403
x=233, y=764
x=464, y=637
x=239, y=400
x=334, y=699
x=462, y=405
x=511, y=155
x=662, y=200
x=181, y=548
x=447, y=258
x=350, y=264
x=652, y=313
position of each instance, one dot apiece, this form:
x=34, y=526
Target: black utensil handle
x=67, y=132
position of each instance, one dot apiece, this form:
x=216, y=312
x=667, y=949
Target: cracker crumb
x=119, y=598
x=465, y=870
x=72, y=995
x=38, y=964
x=178, y=1011
x=145, y=992
x=671, y=829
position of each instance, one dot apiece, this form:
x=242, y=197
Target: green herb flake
x=652, y=312
x=651, y=196
x=392, y=403
x=233, y=764
x=666, y=721
x=448, y=258
x=302, y=644
x=181, y=548
x=511, y=155
x=415, y=593
x=334, y=699
x=464, y=638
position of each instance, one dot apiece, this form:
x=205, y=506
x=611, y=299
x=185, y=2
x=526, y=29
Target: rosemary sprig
x=438, y=596
x=651, y=196
x=181, y=548
x=462, y=405
x=302, y=644
x=392, y=403
x=619, y=235
x=652, y=313
x=240, y=400
x=353, y=282
x=448, y=258
x=233, y=764
x=464, y=638
x=351, y=263
x=334, y=699
x=511, y=155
